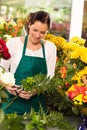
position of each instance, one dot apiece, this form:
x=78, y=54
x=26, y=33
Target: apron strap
x=43, y=49
x=25, y=43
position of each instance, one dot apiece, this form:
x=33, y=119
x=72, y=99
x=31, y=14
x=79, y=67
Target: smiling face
x=37, y=31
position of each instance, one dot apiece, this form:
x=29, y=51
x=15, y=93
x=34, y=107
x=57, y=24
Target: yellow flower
x=72, y=46
x=74, y=39
x=72, y=88
x=2, y=22
x=78, y=99
x=74, y=54
x=81, y=41
x=78, y=40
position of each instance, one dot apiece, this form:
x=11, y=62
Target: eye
x=35, y=30
x=43, y=32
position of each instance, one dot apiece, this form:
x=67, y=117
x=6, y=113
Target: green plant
x=40, y=82
x=35, y=121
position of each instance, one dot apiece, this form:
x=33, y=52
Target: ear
x=29, y=26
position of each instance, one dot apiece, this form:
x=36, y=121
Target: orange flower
x=74, y=65
x=57, y=59
x=63, y=71
x=84, y=98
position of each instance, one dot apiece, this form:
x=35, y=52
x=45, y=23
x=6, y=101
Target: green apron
x=28, y=66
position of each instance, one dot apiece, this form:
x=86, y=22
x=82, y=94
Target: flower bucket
x=84, y=110
x=83, y=125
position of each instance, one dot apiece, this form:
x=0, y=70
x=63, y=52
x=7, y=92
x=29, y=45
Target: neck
x=33, y=46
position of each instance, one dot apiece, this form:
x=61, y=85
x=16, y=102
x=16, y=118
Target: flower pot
x=83, y=125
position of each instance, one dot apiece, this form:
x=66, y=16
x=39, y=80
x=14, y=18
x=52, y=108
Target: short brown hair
x=41, y=16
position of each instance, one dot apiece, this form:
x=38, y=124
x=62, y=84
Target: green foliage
x=28, y=84
x=35, y=121
x=57, y=119
x=40, y=82
x=12, y=122
x=79, y=63
x=43, y=121
x=38, y=121
x=1, y=116
x=56, y=101
x=54, y=90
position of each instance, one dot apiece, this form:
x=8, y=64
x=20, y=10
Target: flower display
x=71, y=70
x=10, y=28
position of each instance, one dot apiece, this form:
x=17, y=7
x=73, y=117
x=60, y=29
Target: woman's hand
x=17, y=91
x=12, y=90
x=27, y=95
x=24, y=94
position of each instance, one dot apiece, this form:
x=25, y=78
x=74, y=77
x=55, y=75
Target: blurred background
x=60, y=11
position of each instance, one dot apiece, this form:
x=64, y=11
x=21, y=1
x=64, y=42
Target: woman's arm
x=51, y=61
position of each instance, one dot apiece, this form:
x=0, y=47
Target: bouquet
x=6, y=78
x=40, y=83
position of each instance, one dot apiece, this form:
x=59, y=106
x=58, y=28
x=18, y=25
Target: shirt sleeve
x=11, y=47
x=51, y=60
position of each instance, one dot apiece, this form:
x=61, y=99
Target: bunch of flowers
x=6, y=78
x=77, y=93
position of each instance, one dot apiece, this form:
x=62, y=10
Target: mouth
x=37, y=39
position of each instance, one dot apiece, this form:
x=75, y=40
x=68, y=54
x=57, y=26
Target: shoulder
x=14, y=44
x=13, y=40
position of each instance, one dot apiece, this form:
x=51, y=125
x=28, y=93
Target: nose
x=38, y=34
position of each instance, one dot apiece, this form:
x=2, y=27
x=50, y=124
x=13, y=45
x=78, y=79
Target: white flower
x=7, y=78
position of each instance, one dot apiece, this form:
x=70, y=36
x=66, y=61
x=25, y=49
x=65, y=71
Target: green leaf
x=1, y=116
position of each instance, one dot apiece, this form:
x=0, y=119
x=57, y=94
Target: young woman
x=30, y=55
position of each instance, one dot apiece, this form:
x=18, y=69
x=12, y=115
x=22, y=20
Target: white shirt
x=15, y=47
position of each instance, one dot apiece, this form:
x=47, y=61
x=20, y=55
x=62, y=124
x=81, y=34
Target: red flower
x=67, y=84
x=4, y=52
x=72, y=94
x=77, y=90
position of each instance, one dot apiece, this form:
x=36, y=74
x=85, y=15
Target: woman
x=30, y=55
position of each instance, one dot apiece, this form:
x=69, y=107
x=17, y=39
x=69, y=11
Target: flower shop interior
x=67, y=91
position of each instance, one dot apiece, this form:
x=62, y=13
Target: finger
x=12, y=92
x=25, y=96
